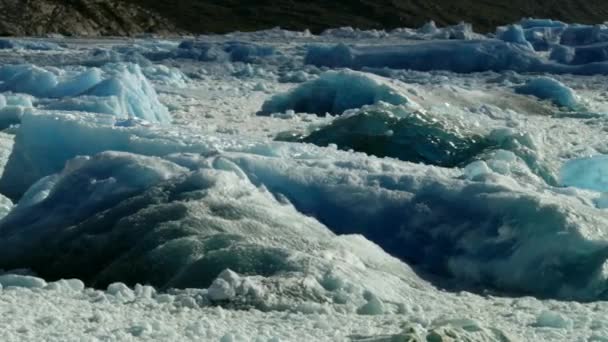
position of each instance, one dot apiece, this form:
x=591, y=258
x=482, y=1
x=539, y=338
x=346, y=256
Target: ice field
x=428, y=184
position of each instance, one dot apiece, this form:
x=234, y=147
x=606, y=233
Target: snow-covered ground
x=413, y=185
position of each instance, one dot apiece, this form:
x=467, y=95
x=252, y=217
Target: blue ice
x=334, y=92
x=547, y=88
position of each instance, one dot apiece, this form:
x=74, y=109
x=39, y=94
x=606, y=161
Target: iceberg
x=484, y=232
x=387, y=131
x=335, y=92
x=547, y=88
x=117, y=89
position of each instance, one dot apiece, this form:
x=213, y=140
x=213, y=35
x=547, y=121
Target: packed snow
x=430, y=184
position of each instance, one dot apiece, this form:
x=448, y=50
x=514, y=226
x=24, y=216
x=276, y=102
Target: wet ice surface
x=260, y=192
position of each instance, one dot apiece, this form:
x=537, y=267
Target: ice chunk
x=396, y=132
x=334, y=92
x=485, y=233
x=17, y=280
x=374, y=306
x=514, y=34
x=589, y=54
x=28, y=79
x=562, y=54
x=476, y=169
x=126, y=92
x=548, y=319
x=166, y=75
x=457, y=56
x=577, y=35
x=234, y=51
x=547, y=88
x=110, y=105
x=99, y=202
x=135, y=93
x=224, y=286
x=542, y=23
x=12, y=108
x=586, y=173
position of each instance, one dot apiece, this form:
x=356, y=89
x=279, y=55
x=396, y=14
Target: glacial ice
x=464, y=57
x=485, y=232
x=233, y=51
x=387, y=131
x=334, y=92
x=514, y=34
x=547, y=88
x=495, y=196
x=122, y=89
x=12, y=107
x=586, y=173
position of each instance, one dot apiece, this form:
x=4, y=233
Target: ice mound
x=547, y=88
x=514, y=34
x=123, y=217
x=398, y=132
x=457, y=56
x=482, y=228
x=334, y=92
x=165, y=75
x=135, y=93
x=387, y=131
x=232, y=51
x=118, y=89
x=118, y=216
x=12, y=107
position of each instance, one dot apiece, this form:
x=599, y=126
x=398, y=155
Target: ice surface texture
x=117, y=89
x=462, y=57
x=28, y=44
x=334, y=92
x=485, y=232
x=234, y=51
x=547, y=88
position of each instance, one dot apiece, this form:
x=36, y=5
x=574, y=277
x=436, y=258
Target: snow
x=455, y=192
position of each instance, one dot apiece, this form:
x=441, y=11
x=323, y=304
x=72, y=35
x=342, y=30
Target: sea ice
x=547, y=88
x=133, y=94
x=334, y=92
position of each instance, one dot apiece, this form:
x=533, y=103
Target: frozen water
x=514, y=34
x=136, y=95
x=123, y=90
x=335, y=92
x=547, y=88
x=466, y=57
x=234, y=51
x=462, y=239
x=399, y=133
x=437, y=189
x=586, y=173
